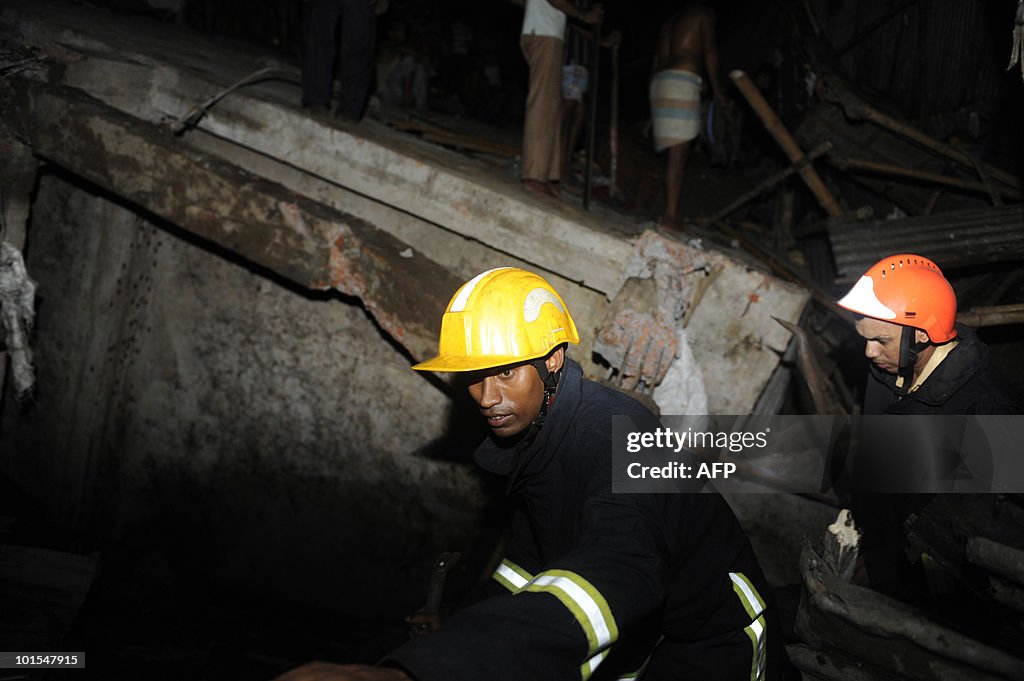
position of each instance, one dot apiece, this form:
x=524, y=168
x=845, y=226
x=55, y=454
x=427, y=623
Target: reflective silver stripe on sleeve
x=589, y=608
x=586, y=604
x=511, y=576
x=756, y=631
x=593, y=616
x=590, y=666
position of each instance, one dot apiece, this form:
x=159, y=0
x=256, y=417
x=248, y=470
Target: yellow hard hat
x=501, y=316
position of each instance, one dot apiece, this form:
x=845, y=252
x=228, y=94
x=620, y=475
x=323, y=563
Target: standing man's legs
x=358, y=35
x=319, y=21
x=575, y=81
x=675, y=163
x=542, y=129
x=572, y=123
x=675, y=114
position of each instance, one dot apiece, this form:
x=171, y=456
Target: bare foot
x=536, y=187
x=670, y=224
x=553, y=189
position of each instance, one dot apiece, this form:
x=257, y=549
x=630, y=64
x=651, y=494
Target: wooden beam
x=764, y=186
x=921, y=175
x=831, y=89
x=992, y=316
x=789, y=145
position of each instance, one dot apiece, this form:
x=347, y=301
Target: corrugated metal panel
x=938, y=60
x=950, y=239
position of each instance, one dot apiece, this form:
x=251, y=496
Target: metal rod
x=595, y=59
x=191, y=117
x=613, y=132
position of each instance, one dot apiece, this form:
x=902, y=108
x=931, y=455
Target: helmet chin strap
x=550, y=380
x=910, y=348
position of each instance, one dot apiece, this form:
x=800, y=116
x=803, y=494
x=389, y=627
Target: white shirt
x=543, y=19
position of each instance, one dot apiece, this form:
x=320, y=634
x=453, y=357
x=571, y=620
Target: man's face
x=882, y=342
x=510, y=397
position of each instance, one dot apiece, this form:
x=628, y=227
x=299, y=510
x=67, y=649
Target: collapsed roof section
x=372, y=212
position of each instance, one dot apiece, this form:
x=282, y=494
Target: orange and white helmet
x=908, y=290
x=501, y=316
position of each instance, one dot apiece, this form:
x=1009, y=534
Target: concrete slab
x=306, y=242
x=450, y=207
x=164, y=81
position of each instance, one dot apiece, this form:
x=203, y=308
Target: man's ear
x=922, y=336
x=556, y=359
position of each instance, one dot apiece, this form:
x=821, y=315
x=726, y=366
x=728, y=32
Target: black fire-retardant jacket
x=965, y=383
x=597, y=585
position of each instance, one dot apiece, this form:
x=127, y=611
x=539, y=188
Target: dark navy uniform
x=599, y=585
x=357, y=59
x=965, y=383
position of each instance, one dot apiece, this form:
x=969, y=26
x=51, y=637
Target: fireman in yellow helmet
x=664, y=585
x=507, y=329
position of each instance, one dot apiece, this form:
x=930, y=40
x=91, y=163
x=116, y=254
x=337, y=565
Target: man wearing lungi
x=686, y=49
x=541, y=42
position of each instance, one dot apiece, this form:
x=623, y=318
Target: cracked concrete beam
x=439, y=186
x=311, y=244
x=445, y=206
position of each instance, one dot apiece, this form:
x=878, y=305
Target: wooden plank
x=434, y=133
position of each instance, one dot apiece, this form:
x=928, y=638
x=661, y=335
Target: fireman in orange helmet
x=923, y=362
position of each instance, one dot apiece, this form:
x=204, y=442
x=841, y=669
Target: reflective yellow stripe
x=511, y=576
x=589, y=608
x=757, y=630
x=752, y=601
x=586, y=604
x=757, y=634
x=590, y=666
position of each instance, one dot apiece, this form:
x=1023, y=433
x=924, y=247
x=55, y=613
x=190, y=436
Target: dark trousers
x=358, y=26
